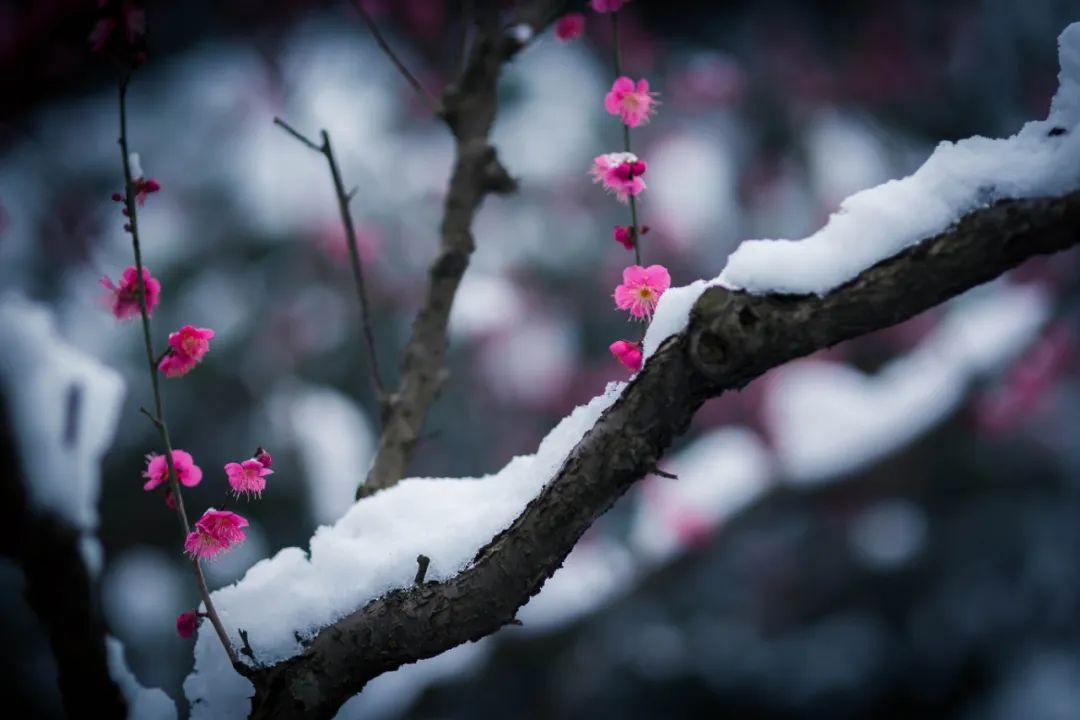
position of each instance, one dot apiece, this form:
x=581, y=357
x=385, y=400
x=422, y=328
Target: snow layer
x=828, y=419
x=143, y=703
x=334, y=441
x=65, y=405
x=877, y=223
x=368, y=552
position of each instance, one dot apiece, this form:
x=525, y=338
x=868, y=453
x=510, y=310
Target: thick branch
x=732, y=338
x=468, y=107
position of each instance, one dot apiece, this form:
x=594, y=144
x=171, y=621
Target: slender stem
x=343, y=197
x=409, y=77
x=158, y=418
x=357, y=267
x=635, y=233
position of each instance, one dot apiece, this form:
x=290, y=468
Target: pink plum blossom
x=634, y=104
x=607, y=6
x=570, y=27
x=215, y=532
x=620, y=173
x=641, y=289
x=144, y=187
x=187, y=346
x=624, y=235
x=123, y=299
x=628, y=353
x=247, y=477
x=263, y=455
x=157, y=470
x=187, y=623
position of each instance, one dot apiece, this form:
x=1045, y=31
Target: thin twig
x=158, y=417
x=326, y=149
x=298, y=135
x=409, y=77
x=617, y=57
x=150, y=416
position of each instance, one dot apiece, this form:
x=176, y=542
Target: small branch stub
x=422, y=562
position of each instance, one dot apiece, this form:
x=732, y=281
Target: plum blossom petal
x=247, y=477
x=620, y=173
x=157, y=470
x=641, y=289
x=633, y=103
x=187, y=346
x=215, y=532
x=628, y=353
x=187, y=623
x=570, y=27
x=123, y=299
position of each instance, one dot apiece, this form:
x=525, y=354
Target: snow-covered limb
x=732, y=337
x=468, y=108
x=705, y=339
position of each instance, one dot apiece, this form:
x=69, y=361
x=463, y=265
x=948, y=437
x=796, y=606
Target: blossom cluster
x=622, y=174
x=138, y=293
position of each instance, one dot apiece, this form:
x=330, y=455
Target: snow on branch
x=327, y=622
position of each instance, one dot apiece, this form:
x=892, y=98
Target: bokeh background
x=888, y=529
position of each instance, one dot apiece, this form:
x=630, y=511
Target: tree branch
x=732, y=337
x=343, y=198
x=468, y=108
x=405, y=73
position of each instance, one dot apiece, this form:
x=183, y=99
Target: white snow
x=334, y=440
x=65, y=407
x=369, y=551
x=828, y=419
x=143, y=703
x=875, y=224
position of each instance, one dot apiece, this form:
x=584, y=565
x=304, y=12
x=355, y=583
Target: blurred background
x=888, y=529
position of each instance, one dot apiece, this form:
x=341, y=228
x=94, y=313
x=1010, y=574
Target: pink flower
x=620, y=173
x=624, y=235
x=570, y=26
x=146, y=186
x=123, y=299
x=248, y=476
x=187, y=346
x=157, y=470
x=263, y=456
x=215, y=532
x=187, y=623
x=606, y=6
x=641, y=289
x=635, y=105
x=628, y=353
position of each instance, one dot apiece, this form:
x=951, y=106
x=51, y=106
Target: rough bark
x=59, y=589
x=732, y=338
x=468, y=108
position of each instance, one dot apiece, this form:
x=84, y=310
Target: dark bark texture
x=59, y=588
x=732, y=337
x=468, y=108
